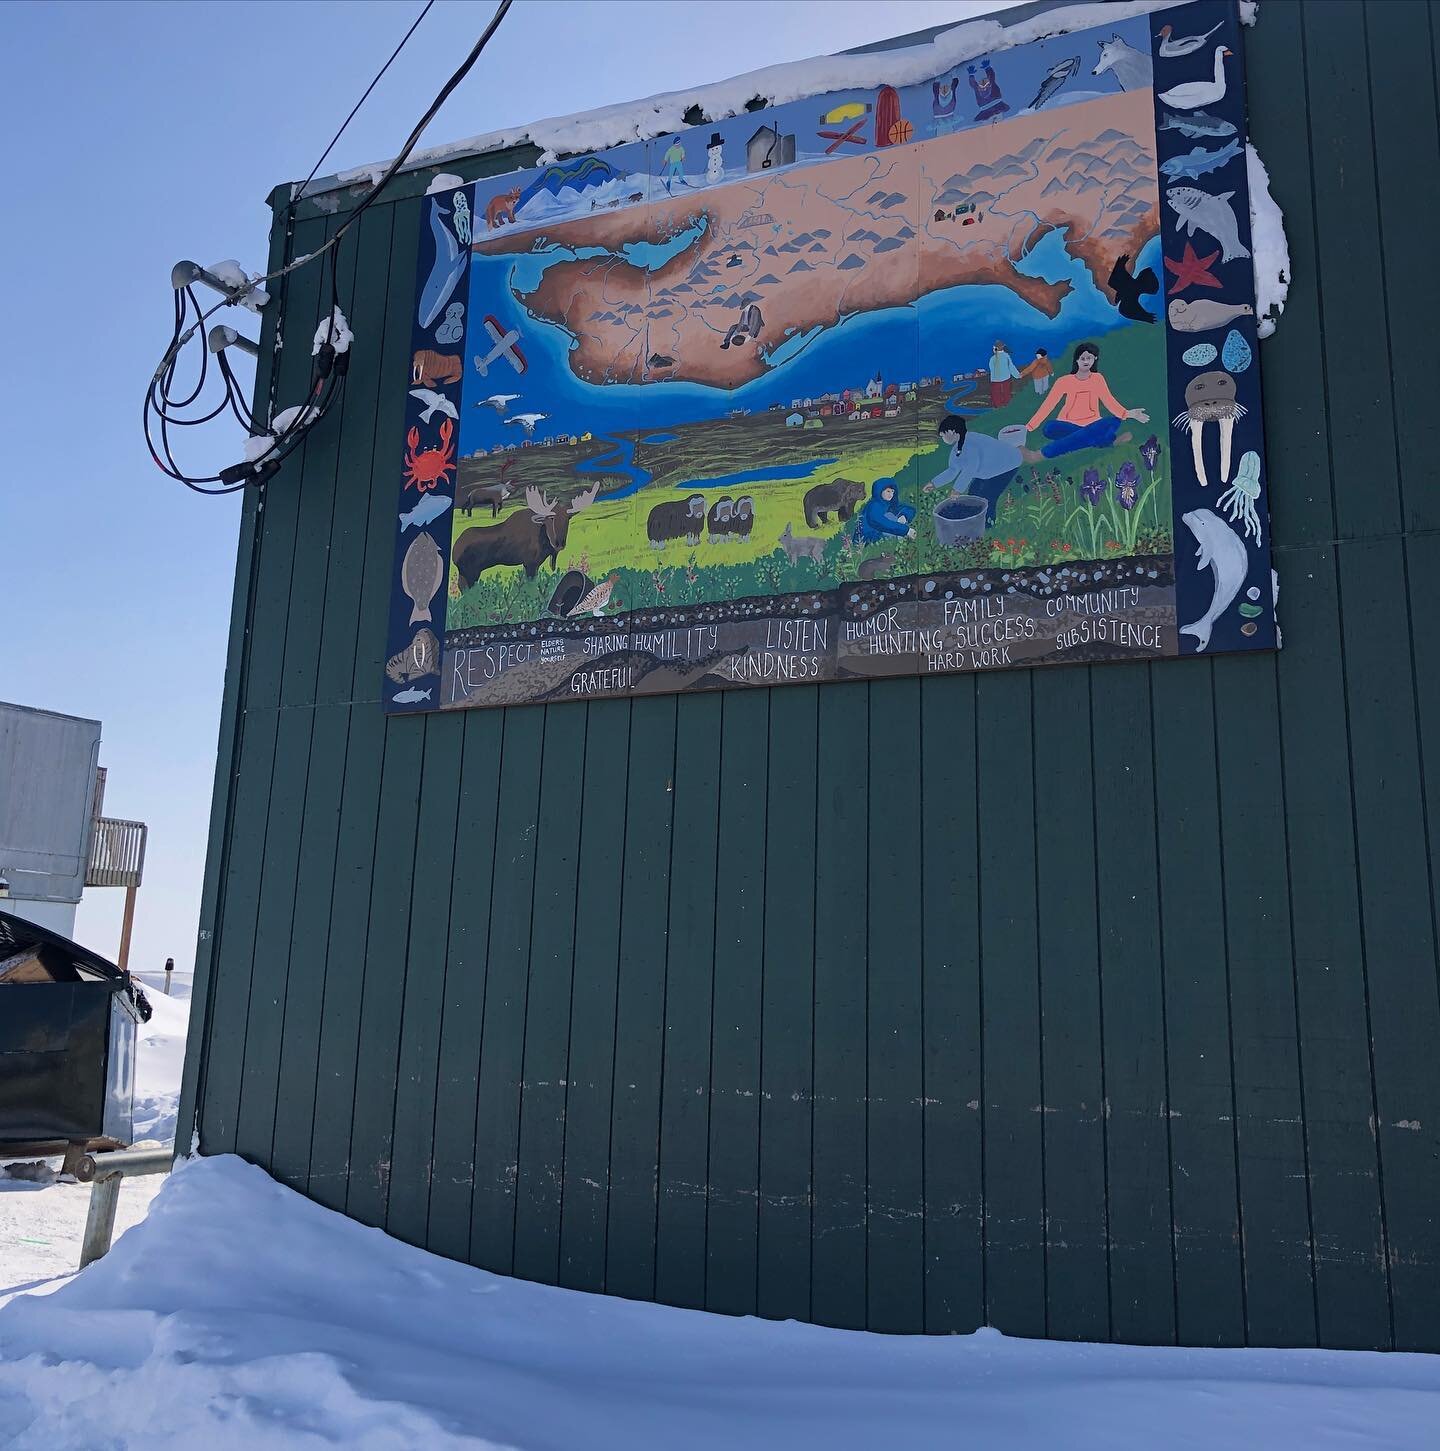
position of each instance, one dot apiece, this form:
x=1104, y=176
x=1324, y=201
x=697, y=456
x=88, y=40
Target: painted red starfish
x=1191, y=271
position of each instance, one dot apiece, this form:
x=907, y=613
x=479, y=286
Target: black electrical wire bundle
x=165, y=407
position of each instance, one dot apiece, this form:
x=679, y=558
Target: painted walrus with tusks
x=1210, y=398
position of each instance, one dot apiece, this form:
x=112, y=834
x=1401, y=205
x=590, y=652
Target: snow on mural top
x=914, y=379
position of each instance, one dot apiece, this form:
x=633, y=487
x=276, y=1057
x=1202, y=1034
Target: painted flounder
x=420, y=657
x=1203, y=315
x=1213, y=215
x=420, y=576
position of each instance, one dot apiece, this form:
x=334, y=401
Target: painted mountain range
x=810, y=245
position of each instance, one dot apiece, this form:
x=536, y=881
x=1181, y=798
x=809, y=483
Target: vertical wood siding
x=1090, y=1003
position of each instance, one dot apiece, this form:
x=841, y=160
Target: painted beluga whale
x=449, y=267
x=1222, y=552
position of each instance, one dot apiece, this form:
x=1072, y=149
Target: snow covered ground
x=42, y=1220
x=241, y=1315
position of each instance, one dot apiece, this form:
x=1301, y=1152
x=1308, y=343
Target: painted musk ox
x=529, y=537
x=677, y=519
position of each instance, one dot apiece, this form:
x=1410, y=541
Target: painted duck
x=1193, y=94
x=1173, y=49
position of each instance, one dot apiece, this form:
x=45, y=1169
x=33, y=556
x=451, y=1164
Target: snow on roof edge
x=789, y=81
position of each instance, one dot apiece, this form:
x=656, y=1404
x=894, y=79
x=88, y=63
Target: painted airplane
x=506, y=345
x=498, y=401
x=527, y=421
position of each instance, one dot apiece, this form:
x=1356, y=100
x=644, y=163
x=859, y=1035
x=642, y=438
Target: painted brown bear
x=839, y=496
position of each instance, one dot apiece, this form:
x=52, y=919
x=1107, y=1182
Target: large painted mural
x=940, y=377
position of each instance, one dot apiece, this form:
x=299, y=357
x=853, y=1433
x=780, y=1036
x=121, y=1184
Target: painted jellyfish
x=1239, y=499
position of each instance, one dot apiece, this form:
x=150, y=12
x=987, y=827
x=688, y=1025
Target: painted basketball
x=900, y=132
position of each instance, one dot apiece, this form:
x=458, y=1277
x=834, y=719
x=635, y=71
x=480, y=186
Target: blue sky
x=139, y=134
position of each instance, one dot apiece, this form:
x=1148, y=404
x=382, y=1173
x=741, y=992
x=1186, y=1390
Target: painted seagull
x=498, y=401
x=527, y=421
x=434, y=403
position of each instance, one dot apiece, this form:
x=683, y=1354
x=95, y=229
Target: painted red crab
x=428, y=467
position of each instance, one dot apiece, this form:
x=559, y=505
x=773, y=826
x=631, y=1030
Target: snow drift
x=241, y=1315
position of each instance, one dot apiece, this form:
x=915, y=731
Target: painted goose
x=1172, y=49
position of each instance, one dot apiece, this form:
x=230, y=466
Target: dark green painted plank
x=950, y=943
x=418, y=1027
x=547, y=1006
x=592, y=1007
x=1132, y=984
x=735, y=1043
x=368, y=477
x=640, y=1002
x=1357, y=368
x=1269, y=1103
x=1010, y=988
x=1398, y=933
x=227, y=760
x=355, y=876
x=355, y=884
x=1351, y=1285
x=382, y=991
x=787, y=1007
x=235, y=944
x=280, y=515
x=689, y=981
x=895, y=1238
x=463, y=1011
x=1209, y=1277
x=270, y=968
x=337, y=451
x=255, y=1130
x=837, y=1251
x=307, y=949
x=1292, y=360
x=1073, y=1124
x=497, y=1123
x=1407, y=168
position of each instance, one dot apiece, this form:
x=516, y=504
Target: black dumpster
x=67, y=1043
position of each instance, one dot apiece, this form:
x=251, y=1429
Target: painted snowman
x=715, y=159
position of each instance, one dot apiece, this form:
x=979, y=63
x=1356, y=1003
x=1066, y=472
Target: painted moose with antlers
x=529, y=537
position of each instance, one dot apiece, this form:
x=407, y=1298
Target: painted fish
x=421, y=573
x=1202, y=316
x=1198, y=161
x=413, y=696
x=1222, y=552
x=1198, y=124
x=1213, y=215
x=432, y=506
x=434, y=402
x=420, y=657
x=448, y=269
x=1054, y=78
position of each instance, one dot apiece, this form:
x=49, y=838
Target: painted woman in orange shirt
x=1081, y=395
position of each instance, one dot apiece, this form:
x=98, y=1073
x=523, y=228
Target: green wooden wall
x=1095, y=1003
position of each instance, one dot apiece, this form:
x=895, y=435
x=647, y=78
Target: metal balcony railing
x=117, y=853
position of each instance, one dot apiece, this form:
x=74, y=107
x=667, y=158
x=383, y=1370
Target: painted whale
x=449, y=268
x=1222, y=552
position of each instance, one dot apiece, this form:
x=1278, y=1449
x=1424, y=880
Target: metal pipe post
x=100, y=1221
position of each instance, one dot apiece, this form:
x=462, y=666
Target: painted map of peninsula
x=723, y=286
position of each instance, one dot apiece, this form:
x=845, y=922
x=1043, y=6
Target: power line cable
x=414, y=26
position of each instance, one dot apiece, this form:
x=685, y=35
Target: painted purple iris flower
x=1092, y=486
x=1127, y=482
x=1150, y=452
